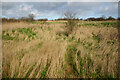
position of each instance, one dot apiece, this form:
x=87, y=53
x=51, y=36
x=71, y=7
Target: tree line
x=30, y=18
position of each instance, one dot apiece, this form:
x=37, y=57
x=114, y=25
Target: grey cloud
x=110, y=9
x=54, y=9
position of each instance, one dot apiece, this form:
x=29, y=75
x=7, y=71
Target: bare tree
x=71, y=21
x=70, y=15
x=31, y=17
x=103, y=16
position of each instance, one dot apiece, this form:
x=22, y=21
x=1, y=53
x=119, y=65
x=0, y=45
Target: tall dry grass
x=39, y=52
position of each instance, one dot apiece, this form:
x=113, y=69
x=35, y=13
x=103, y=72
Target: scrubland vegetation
x=47, y=50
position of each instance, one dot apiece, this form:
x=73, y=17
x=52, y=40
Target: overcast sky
x=54, y=10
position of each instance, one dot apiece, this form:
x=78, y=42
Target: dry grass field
x=38, y=50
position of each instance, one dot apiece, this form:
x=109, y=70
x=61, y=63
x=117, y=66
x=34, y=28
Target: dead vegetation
x=41, y=51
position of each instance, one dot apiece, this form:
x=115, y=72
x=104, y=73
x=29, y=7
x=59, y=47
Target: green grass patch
x=38, y=22
x=30, y=32
x=7, y=36
x=56, y=22
x=100, y=24
x=113, y=24
x=44, y=71
x=70, y=58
